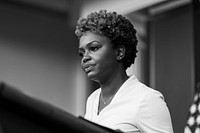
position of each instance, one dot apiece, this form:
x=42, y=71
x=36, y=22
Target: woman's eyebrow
x=88, y=44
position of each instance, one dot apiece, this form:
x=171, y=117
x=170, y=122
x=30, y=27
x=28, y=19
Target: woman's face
x=98, y=56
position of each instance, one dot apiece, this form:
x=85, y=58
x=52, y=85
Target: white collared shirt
x=134, y=108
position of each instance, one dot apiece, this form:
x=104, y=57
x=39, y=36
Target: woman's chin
x=92, y=76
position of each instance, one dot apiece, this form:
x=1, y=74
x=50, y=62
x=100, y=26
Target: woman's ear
x=121, y=50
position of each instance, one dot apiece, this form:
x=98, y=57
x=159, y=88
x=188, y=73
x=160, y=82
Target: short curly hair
x=116, y=27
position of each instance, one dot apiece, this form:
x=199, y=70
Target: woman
x=107, y=45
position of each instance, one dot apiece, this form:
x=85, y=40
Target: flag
x=193, y=122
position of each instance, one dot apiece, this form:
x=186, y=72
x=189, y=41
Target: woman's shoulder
x=149, y=93
x=138, y=88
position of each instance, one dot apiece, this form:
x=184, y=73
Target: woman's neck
x=111, y=85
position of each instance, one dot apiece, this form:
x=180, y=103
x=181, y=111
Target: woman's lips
x=88, y=67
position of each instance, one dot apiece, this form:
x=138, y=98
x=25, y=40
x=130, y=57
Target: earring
x=119, y=57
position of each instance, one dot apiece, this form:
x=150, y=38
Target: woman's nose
x=85, y=59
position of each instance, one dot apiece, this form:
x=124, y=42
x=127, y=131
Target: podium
x=21, y=113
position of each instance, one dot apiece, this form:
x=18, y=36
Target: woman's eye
x=81, y=53
x=94, y=48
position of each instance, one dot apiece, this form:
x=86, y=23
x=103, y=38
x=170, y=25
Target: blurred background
x=39, y=50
